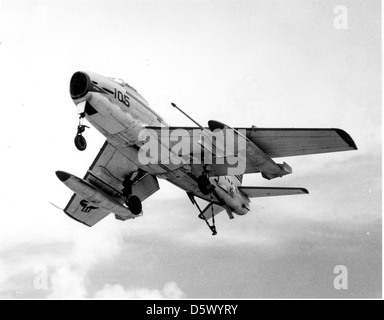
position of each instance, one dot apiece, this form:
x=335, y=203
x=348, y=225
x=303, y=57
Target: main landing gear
x=132, y=202
x=80, y=142
x=205, y=185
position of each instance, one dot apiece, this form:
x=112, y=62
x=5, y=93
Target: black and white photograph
x=191, y=150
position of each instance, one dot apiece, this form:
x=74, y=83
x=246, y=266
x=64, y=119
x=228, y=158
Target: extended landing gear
x=203, y=217
x=206, y=188
x=205, y=185
x=132, y=202
x=203, y=213
x=80, y=142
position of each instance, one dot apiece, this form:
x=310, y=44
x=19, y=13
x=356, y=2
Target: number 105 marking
x=123, y=98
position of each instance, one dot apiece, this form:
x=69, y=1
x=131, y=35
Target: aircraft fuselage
x=121, y=114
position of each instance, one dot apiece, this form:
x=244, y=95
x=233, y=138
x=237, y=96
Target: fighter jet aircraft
x=208, y=163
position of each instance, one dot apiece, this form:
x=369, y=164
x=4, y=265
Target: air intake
x=79, y=85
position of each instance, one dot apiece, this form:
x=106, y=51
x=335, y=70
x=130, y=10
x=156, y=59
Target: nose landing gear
x=80, y=142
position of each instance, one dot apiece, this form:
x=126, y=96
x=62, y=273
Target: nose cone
x=79, y=85
x=63, y=176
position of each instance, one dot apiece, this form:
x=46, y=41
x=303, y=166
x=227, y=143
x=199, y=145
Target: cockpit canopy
x=128, y=87
x=123, y=83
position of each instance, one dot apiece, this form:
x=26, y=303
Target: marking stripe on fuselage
x=240, y=178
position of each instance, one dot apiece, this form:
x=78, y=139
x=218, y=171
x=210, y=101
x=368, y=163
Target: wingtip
x=347, y=138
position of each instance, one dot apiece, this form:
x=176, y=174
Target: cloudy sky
x=264, y=63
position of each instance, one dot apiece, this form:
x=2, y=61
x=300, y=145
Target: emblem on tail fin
x=86, y=207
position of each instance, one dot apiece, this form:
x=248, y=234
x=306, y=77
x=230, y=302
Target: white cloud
x=68, y=261
x=67, y=284
x=39, y=139
x=69, y=264
x=3, y=276
x=170, y=291
x=68, y=272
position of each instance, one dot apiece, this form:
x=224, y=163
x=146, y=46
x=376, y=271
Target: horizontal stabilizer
x=104, y=184
x=258, y=192
x=84, y=212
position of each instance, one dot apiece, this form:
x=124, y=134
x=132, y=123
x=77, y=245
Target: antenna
x=195, y=122
x=56, y=206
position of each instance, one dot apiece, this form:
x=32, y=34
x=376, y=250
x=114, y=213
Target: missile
x=93, y=195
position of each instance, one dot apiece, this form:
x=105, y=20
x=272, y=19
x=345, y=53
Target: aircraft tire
x=134, y=205
x=80, y=143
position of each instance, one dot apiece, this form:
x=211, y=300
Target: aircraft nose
x=63, y=176
x=79, y=85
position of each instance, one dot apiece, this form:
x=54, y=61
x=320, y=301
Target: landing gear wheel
x=80, y=142
x=134, y=205
x=204, y=185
